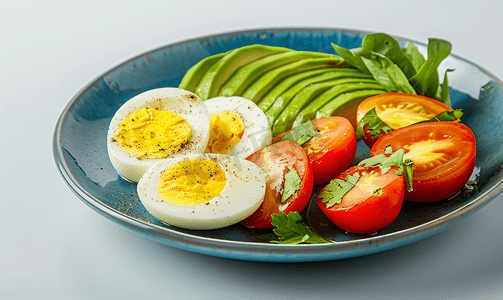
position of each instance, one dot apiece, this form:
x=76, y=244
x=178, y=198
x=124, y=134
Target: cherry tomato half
x=443, y=154
x=331, y=151
x=373, y=203
x=276, y=161
x=397, y=111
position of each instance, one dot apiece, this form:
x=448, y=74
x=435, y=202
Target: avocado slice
x=246, y=75
x=285, y=119
x=326, y=78
x=266, y=101
x=265, y=82
x=197, y=71
x=309, y=112
x=346, y=105
x=220, y=72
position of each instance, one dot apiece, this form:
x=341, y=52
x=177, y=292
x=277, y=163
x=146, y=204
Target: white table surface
x=52, y=246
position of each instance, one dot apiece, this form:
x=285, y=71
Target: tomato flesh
x=399, y=110
x=331, y=151
x=372, y=204
x=443, y=154
x=277, y=160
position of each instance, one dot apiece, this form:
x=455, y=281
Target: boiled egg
x=155, y=125
x=237, y=126
x=202, y=191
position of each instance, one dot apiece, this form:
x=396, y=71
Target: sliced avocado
x=197, y=71
x=285, y=119
x=265, y=82
x=309, y=112
x=284, y=99
x=346, y=105
x=246, y=75
x=220, y=72
x=285, y=84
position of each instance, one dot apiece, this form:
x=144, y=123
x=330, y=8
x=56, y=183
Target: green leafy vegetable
x=444, y=94
x=388, y=46
x=415, y=57
x=389, y=75
x=445, y=116
x=351, y=58
x=292, y=184
x=301, y=134
x=394, y=160
x=291, y=229
x=334, y=191
x=426, y=81
x=375, y=125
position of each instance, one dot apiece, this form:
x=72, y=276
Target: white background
x=52, y=246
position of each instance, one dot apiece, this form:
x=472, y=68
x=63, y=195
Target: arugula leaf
x=375, y=125
x=301, y=134
x=414, y=55
x=445, y=116
x=334, y=191
x=388, y=46
x=291, y=229
x=426, y=82
x=408, y=165
x=292, y=184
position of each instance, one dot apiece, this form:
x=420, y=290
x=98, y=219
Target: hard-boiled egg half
x=202, y=191
x=155, y=125
x=238, y=126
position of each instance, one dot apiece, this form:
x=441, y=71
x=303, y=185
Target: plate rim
x=260, y=251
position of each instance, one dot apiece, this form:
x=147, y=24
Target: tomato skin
x=297, y=159
x=449, y=173
x=367, y=213
x=398, y=110
x=331, y=151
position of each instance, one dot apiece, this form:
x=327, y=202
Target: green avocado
x=197, y=71
x=221, y=71
x=347, y=104
x=246, y=75
x=268, y=80
x=310, y=110
x=269, y=98
x=327, y=79
x=285, y=119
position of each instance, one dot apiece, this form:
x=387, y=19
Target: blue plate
x=79, y=149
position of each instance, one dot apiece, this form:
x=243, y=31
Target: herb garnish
x=291, y=229
x=375, y=125
x=334, y=191
x=301, y=134
x=292, y=184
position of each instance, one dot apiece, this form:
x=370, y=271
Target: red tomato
x=331, y=151
x=397, y=111
x=443, y=154
x=373, y=203
x=276, y=161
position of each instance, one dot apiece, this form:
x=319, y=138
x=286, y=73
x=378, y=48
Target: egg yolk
x=191, y=182
x=153, y=133
x=226, y=129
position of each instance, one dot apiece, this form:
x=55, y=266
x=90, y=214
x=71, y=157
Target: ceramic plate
x=80, y=151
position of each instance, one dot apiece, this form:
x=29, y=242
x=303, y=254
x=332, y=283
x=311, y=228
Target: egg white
x=242, y=195
x=181, y=102
x=257, y=131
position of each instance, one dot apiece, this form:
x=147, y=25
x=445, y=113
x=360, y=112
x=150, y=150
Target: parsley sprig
x=291, y=229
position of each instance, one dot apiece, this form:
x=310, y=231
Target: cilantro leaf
x=292, y=184
x=334, y=191
x=291, y=229
x=301, y=134
x=375, y=125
